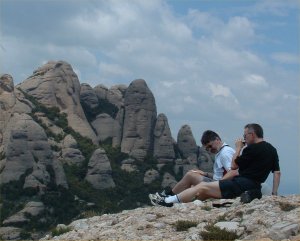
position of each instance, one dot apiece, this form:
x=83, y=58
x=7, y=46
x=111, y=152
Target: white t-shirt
x=223, y=161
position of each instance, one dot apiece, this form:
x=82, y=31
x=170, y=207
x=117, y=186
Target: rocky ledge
x=270, y=218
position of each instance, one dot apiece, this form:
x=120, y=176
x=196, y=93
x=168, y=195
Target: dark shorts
x=235, y=187
x=207, y=179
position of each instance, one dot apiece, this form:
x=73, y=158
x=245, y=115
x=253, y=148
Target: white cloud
x=286, y=58
x=113, y=70
x=239, y=31
x=203, y=20
x=256, y=80
x=167, y=83
x=189, y=100
x=276, y=7
x=219, y=90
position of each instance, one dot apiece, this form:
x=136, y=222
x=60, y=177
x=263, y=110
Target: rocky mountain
x=270, y=218
x=67, y=148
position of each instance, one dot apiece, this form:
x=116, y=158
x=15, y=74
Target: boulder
x=168, y=180
x=99, y=170
x=150, y=176
x=70, y=153
x=101, y=91
x=31, y=209
x=139, y=120
x=72, y=156
x=115, y=95
x=128, y=165
x=69, y=142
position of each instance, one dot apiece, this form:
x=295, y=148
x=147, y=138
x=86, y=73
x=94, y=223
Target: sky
x=210, y=64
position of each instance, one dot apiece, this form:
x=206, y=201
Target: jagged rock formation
x=186, y=143
x=39, y=150
x=163, y=141
x=270, y=218
x=139, y=120
x=99, y=171
x=55, y=84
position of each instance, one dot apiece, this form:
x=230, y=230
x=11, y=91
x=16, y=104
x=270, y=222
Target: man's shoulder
x=227, y=148
x=267, y=145
x=263, y=145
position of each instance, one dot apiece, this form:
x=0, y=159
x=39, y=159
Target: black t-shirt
x=257, y=161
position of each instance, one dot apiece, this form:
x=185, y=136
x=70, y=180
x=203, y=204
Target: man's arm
x=230, y=174
x=276, y=181
x=238, y=147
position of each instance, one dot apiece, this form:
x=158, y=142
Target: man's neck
x=258, y=140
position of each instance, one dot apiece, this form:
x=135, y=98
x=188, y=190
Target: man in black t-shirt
x=257, y=160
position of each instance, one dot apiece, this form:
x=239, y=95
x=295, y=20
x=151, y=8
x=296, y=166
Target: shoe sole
x=151, y=197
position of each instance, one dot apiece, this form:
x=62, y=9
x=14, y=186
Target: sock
x=172, y=199
x=168, y=191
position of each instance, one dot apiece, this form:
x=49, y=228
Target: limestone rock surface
x=264, y=219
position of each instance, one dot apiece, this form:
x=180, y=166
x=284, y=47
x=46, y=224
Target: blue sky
x=210, y=64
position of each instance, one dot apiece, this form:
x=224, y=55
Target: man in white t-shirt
x=221, y=170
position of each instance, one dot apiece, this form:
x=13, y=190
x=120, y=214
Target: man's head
x=252, y=133
x=211, y=141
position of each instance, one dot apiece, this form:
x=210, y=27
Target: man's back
x=257, y=161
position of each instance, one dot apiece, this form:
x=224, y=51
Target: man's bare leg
x=202, y=191
x=189, y=179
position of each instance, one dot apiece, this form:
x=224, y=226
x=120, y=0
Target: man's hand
x=239, y=143
x=199, y=172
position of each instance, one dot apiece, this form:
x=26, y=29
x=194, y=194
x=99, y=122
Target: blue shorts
x=236, y=186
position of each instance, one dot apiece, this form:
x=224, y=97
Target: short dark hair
x=209, y=136
x=256, y=128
